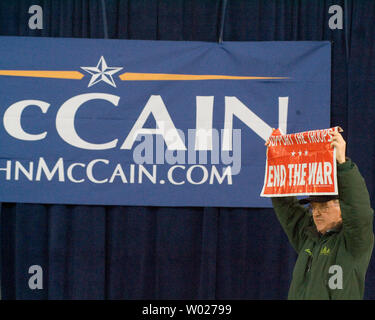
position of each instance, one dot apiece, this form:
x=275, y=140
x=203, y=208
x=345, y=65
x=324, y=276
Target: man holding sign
x=333, y=236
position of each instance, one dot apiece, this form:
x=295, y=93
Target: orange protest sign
x=300, y=164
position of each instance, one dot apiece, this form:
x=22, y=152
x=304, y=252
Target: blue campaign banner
x=158, y=123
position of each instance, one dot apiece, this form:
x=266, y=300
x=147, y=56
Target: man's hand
x=340, y=144
x=268, y=140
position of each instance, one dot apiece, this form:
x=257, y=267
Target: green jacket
x=347, y=249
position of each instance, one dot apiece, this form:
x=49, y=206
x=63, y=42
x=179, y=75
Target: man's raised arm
x=293, y=218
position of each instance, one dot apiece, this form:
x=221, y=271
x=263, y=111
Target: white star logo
x=102, y=73
x=293, y=154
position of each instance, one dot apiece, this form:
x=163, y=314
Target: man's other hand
x=268, y=140
x=340, y=144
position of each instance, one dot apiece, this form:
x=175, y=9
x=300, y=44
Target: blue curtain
x=120, y=252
